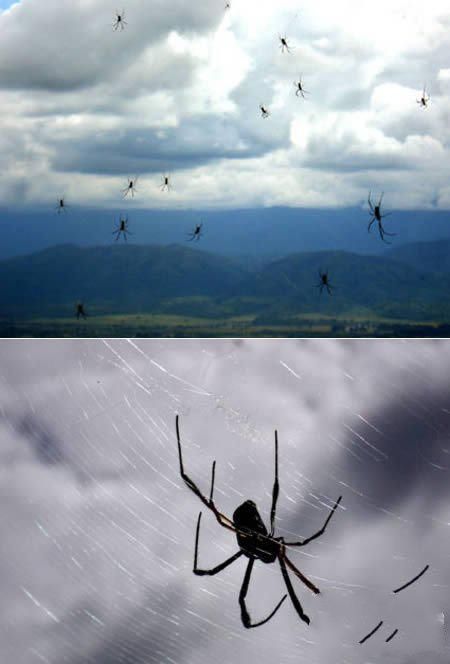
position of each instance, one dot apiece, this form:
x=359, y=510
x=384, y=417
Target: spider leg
x=370, y=203
x=275, y=490
x=221, y=518
x=245, y=616
x=294, y=599
x=309, y=584
x=217, y=568
x=329, y=289
x=370, y=225
x=319, y=532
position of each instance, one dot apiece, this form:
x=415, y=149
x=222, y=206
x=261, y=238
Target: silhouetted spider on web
x=122, y=228
x=324, y=283
x=375, y=211
x=196, y=233
x=254, y=541
x=130, y=188
x=119, y=21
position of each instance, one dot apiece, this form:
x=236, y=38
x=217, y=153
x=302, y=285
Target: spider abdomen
x=252, y=535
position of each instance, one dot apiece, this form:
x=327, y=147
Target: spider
x=166, y=183
x=423, y=101
x=119, y=21
x=61, y=206
x=300, y=90
x=228, y=5
x=122, y=228
x=80, y=311
x=324, y=283
x=375, y=211
x=196, y=233
x=254, y=541
x=130, y=188
x=283, y=44
x=264, y=111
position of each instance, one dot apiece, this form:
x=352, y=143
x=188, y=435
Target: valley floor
x=160, y=325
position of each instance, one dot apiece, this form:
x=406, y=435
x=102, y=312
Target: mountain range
x=410, y=282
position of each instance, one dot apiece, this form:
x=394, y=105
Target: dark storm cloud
x=82, y=48
x=416, y=445
x=195, y=141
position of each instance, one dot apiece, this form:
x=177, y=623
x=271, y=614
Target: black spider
x=283, y=44
x=130, y=188
x=254, y=541
x=300, y=90
x=80, y=311
x=264, y=111
x=165, y=185
x=196, y=233
x=423, y=101
x=122, y=229
x=61, y=206
x=324, y=283
x=119, y=21
x=375, y=211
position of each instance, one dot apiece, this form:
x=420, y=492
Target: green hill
x=176, y=280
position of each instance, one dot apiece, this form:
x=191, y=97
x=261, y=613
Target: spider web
x=99, y=528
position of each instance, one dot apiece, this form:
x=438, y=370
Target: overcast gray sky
x=98, y=528
x=178, y=91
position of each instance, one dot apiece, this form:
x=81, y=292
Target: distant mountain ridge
x=131, y=278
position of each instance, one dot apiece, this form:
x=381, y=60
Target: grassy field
x=166, y=325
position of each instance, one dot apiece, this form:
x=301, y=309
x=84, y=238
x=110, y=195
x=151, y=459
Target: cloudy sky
x=84, y=107
x=98, y=528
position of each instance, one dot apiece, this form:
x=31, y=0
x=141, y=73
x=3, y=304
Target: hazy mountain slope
x=424, y=256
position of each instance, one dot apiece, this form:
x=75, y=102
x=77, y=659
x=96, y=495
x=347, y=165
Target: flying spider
x=254, y=541
x=61, y=205
x=324, y=283
x=283, y=44
x=130, y=188
x=119, y=21
x=300, y=90
x=80, y=311
x=375, y=211
x=196, y=233
x=122, y=228
x=264, y=111
x=165, y=185
x=423, y=101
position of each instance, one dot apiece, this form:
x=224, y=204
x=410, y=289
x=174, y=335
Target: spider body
x=423, y=101
x=122, y=229
x=119, y=21
x=324, y=282
x=80, y=311
x=61, y=206
x=254, y=540
x=165, y=185
x=300, y=90
x=130, y=188
x=283, y=44
x=196, y=233
x=375, y=211
x=252, y=534
x=264, y=111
